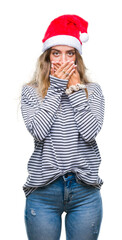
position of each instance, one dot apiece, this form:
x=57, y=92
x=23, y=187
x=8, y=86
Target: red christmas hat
x=70, y=30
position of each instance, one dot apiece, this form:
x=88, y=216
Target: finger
x=69, y=66
x=63, y=66
x=70, y=74
x=62, y=71
x=56, y=67
x=52, y=70
x=57, y=63
x=67, y=70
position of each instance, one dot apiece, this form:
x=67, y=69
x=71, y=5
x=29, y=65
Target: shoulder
x=30, y=95
x=28, y=90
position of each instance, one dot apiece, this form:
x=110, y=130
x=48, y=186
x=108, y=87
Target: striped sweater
x=64, y=128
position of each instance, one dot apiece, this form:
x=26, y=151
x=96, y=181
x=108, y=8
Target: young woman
x=64, y=112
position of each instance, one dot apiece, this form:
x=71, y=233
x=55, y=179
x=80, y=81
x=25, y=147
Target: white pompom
x=84, y=37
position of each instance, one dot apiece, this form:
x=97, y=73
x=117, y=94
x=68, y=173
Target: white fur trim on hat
x=62, y=40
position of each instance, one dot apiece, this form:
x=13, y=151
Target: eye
x=71, y=53
x=55, y=53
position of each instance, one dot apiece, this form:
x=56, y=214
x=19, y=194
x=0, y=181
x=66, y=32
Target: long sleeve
x=88, y=113
x=39, y=118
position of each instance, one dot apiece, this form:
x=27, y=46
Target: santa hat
x=70, y=30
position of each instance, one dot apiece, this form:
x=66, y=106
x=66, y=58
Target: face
x=62, y=54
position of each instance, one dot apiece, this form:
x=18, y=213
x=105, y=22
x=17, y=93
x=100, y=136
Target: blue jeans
x=82, y=204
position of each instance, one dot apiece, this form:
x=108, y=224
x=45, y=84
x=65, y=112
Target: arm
x=88, y=113
x=39, y=118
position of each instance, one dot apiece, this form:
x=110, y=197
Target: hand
x=63, y=71
x=74, y=79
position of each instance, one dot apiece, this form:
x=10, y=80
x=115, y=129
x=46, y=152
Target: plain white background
x=23, y=24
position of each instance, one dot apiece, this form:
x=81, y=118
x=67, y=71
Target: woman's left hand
x=74, y=79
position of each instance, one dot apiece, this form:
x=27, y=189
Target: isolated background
x=22, y=27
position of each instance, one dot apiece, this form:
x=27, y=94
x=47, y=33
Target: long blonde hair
x=40, y=78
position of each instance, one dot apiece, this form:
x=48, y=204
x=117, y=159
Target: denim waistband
x=69, y=175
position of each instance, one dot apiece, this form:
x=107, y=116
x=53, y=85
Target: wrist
x=75, y=88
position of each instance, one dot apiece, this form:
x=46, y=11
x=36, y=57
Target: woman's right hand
x=64, y=70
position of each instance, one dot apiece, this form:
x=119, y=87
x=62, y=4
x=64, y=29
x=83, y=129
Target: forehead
x=63, y=48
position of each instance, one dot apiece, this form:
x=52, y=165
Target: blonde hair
x=40, y=78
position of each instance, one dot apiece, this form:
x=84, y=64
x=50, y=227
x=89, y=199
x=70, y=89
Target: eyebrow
x=60, y=50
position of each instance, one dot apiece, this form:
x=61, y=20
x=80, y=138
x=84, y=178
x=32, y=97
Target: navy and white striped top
x=64, y=128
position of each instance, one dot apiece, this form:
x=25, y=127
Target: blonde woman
x=64, y=112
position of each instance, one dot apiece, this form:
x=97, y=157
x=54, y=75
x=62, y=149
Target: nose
x=63, y=58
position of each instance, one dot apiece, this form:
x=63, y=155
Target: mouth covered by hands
x=66, y=70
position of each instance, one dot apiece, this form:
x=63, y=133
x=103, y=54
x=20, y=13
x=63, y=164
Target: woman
x=64, y=113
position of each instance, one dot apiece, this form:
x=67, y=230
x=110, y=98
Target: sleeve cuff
x=58, y=83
